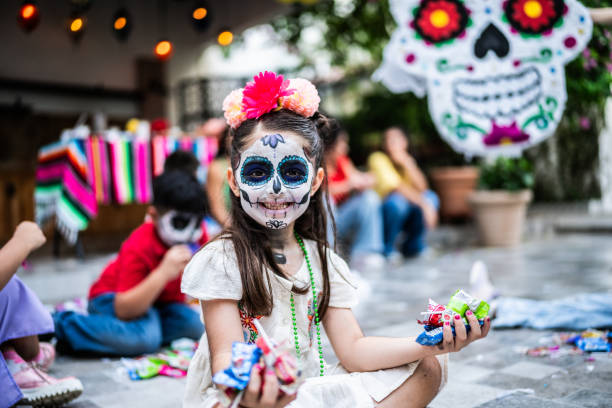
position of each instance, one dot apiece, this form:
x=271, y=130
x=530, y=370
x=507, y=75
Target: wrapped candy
x=232, y=381
x=593, y=340
x=433, y=316
x=280, y=359
x=459, y=303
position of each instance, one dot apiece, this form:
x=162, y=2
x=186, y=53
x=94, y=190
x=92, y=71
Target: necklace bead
x=314, y=305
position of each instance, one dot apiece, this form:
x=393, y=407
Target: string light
x=28, y=16
x=200, y=13
x=200, y=16
x=163, y=50
x=76, y=27
x=225, y=37
x=122, y=24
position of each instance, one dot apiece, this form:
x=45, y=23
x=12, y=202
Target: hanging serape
x=158, y=151
x=97, y=156
x=122, y=171
x=63, y=188
x=142, y=171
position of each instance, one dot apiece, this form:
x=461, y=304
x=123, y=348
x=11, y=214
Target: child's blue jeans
x=102, y=332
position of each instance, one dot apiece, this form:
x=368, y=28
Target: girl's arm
x=359, y=353
x=223, y=327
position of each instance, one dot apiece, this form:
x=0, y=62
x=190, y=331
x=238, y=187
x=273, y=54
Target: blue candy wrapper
x=593, y=344
x=433, y=335
x=238, y=374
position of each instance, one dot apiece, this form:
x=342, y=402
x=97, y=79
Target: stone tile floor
x=494, y=372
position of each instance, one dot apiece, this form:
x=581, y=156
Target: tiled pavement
x=494, y=372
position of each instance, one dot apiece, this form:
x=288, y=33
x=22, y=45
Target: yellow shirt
x=386, y=175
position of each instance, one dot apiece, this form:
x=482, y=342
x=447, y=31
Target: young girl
x=273, y=263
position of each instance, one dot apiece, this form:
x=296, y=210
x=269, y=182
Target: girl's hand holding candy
x=452, y=343
x=454, y=326
x=263, y=390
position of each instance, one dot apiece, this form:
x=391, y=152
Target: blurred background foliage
x=355, y=33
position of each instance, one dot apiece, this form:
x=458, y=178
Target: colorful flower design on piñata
x=533, y=16
x=249, y=330
x=437, y=21
x=263, y=94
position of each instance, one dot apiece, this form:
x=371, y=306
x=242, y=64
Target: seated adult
x=356, y=206
x=409, y=207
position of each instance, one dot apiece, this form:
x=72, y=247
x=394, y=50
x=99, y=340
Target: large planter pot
x=500, y=215
x=454, y=185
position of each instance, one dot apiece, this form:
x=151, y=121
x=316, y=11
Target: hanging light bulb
x=200, y=16
x=163, y=50
x=225, y=37
x=28, y=16
x=122, y=24
x=76, y=27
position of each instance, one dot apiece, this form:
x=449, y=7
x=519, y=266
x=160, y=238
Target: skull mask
x=274, y=177
x=493, y=70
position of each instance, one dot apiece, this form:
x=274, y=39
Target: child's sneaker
x=40, y=389
x=45, y=357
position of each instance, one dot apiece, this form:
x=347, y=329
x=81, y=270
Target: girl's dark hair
x=244, y=232
x=223, y=150
x=330, y=131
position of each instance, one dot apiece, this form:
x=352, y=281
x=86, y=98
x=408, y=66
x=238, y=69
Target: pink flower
x=304, y=101
x=262, y=95
x=232, y=108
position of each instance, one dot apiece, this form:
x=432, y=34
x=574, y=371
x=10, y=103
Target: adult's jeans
x=401, y=215
x=102, y=332
x=359, y=221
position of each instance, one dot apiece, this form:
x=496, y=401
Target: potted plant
x=454, y=184
x=500, y=203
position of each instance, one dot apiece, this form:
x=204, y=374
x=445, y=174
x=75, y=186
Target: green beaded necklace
x=316, y=311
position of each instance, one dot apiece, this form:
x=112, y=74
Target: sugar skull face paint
x=274, y=177
x=175, y=227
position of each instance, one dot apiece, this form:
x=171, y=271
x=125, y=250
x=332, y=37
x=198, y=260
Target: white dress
x=213, y=274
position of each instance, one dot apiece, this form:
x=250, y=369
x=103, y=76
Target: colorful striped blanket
x=64, y=189
x=73, y=177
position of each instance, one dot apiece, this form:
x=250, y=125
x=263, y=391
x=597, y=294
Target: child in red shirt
x=136, y=304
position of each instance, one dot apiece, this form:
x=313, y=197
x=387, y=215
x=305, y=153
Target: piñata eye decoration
x=533, y=16
x=438, y=21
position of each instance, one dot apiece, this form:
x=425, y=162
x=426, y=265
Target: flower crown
x=269, y=92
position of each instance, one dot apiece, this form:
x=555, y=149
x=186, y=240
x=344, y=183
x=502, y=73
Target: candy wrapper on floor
x=232, y=381
x=172, y=361
x=458, y=304
x=593, y=340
